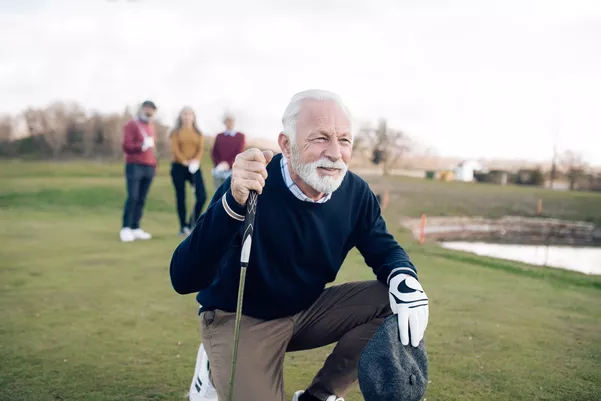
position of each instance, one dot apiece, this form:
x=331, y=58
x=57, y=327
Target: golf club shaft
x=249, y=220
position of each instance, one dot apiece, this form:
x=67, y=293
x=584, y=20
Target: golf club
x=249, y=221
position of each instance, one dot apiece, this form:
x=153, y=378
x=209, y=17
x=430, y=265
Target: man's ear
x=284, y=143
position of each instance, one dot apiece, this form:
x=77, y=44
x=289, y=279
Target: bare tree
x=574, y=165
x=7, y=132
x=34, y=119
x=75, y=123
x=162, y=141
x=6, y=129
x=55, y=124
x=387, y=145
x=91, y=130
x=112, y=128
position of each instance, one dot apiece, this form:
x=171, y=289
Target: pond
x=585, y=260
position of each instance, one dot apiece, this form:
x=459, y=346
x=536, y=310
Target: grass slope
x=84, y=319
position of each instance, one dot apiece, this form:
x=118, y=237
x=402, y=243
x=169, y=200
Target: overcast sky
x=471, y=78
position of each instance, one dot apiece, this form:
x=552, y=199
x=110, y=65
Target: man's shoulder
x=355, y=183
x=275, y=163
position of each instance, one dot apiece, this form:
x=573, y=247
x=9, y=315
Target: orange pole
x=422, y=234
x=539, y=207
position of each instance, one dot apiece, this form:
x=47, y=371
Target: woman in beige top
x=187, y=145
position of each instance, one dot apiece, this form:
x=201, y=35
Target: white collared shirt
x=294, y=188
x=229, y=133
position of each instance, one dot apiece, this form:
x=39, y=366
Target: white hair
x=228, y=115
x=293, y=109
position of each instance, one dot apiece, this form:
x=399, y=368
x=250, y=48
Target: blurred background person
x=187, y=146
x=139, y=137
x=227, y=146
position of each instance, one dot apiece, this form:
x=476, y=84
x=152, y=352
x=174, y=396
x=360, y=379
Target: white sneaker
x=126, y=235
x=330, y=398
x=201, y=388
x=141, y=234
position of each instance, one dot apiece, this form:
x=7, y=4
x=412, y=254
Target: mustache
x=327, y=163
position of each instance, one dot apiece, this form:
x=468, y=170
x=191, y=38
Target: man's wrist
x=402, y=270
x=232, y=207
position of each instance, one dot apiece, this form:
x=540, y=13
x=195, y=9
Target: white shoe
x=126, y=235
x=201, y=388
x=330, y=398
x=141, y=234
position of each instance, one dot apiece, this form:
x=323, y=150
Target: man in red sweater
x=227, y=146
x=139, y=137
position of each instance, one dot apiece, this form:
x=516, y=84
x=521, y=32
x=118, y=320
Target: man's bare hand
x=249, y=173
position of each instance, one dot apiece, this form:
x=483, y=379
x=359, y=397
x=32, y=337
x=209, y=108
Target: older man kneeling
x=311, y=212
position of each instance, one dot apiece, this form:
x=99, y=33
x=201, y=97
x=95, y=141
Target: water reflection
x=584, y=260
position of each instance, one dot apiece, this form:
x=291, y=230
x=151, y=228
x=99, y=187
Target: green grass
x=82, y=318
x=415, y=196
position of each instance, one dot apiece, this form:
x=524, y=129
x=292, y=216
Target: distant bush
x=531, y=177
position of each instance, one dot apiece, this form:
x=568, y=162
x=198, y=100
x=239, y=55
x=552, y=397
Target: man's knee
x=376, y=294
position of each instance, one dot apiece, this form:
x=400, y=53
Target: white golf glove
x=193, y=166
x=410, y=303
x=147, y=144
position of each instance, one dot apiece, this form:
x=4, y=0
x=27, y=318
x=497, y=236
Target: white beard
x=309, y=174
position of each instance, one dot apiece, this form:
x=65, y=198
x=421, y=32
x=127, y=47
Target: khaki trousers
x=348, y=314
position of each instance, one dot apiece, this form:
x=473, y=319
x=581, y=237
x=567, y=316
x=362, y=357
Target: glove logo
x=403, y=288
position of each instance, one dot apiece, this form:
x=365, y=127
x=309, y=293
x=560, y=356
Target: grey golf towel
x=389, y=371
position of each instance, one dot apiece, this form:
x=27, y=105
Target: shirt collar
x=296, y=191
x=229, y=133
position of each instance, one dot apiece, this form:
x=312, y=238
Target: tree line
x=64, y=129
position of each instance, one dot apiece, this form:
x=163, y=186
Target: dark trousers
x=179, y=175
x=347, y=314
x=138, y=178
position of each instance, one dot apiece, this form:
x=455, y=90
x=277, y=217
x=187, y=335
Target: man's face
x=323, y=145
x=229, y=123
x=148, y=111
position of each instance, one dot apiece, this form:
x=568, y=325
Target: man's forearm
x=196, y=260
x=130, y=145
x=389, y=264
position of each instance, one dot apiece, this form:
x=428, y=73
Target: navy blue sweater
x=297, y=248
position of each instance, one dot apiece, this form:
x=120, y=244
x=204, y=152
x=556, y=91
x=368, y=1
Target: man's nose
x=333, y=152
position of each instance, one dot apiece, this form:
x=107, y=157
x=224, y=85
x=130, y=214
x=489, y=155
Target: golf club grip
x=249, y=222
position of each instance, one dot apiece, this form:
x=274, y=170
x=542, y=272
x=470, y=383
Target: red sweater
x=227, y=147
x=132, y=143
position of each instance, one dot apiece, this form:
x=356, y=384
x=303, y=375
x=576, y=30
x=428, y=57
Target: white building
x=465, y=170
